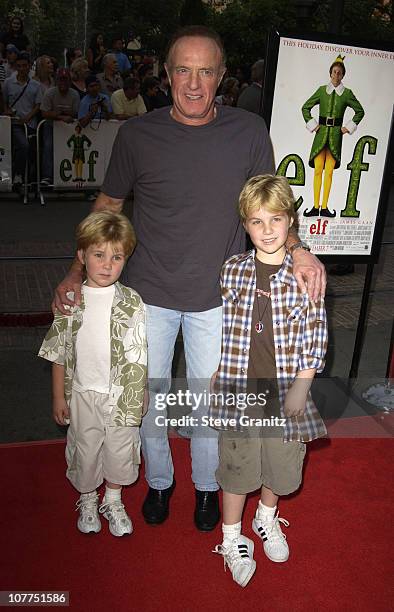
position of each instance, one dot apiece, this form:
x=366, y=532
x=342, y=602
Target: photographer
x=95, y=105
x=22, y=98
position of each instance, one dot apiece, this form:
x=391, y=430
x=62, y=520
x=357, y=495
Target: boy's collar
x=284, y=274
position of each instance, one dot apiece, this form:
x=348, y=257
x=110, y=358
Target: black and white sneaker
x=238, y=555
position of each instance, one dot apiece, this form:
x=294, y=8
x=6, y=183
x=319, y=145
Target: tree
x=193, y=12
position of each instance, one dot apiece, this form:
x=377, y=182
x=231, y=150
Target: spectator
x=96, y=53
x=121, y=58
x=164, y=93
x=22, y=98
x=15, y=36
x=250, y=98
x=243, y=75
x=59, y=103
x=150, y=89
x=72, y=54
x=229, y=92
x=127, y=102
x=95, y=105
x=10, y=62
x=79, y=72
x=44, y=73
x=110, y=80
x=144, y=71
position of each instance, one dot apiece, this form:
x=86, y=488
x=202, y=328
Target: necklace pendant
x=259, y=327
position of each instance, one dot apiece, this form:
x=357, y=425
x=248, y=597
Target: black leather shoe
x=324, y=212
x=313, y=212
x=207, y=513
x=155, y=508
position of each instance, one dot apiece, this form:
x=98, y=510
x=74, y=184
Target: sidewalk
x=27, y=287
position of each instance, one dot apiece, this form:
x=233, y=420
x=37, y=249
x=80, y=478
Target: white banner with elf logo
x=81, y=155
x=5, y=154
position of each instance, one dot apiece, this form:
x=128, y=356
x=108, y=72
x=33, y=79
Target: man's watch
x=299, y=245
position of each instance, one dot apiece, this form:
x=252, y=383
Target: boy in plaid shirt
x=274, y=341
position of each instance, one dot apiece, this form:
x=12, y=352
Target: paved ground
x=32, y=231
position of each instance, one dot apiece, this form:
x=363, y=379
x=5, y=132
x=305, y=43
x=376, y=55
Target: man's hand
x=66, y=118
x=60, y=411
x=213, y=382
x=317, y=128
x=309, y=273
x=72, y=282
x=344, y=130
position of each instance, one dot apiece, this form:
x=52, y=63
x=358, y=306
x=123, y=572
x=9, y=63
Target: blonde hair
x=271, y=192
x=77, y=67
x=105, y=226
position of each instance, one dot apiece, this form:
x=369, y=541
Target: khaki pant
x=247, y=461
x=95, y=450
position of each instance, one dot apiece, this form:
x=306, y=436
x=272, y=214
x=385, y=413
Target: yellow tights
x=323, y=161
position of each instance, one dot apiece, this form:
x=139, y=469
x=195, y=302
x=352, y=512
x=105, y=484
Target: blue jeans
x=202, y=333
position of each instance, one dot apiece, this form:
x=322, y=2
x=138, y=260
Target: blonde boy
x=274, y=341
x=99, y=373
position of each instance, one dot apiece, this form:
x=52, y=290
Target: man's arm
x=309, y=272
x=30, y=115
x=73, y=280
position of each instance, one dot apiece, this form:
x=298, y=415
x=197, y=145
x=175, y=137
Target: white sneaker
x=274, y=541
x=239, y=558
x=117, y=517
x=89, y=520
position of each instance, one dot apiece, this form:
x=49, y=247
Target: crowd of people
x=111, y=82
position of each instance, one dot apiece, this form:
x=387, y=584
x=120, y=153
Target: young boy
x=274, y=341
x=99, y=357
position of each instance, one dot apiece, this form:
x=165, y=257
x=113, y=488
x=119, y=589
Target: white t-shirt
x=93, y=345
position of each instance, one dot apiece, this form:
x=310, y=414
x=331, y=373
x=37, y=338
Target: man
x=150, y=93
x=10, y=64
x=186, y=181
x=127, y=102
x=325, y=156
x=121, y=58
x=59, y=103
x=94, y=105
x=22, y=98
x=110, y=80
x=164, y=94
x=250, y=98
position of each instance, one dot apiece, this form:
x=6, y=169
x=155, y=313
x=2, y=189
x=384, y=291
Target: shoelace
x=87, y=506
x=272, y=528
x=116, y=509
x=232, y=554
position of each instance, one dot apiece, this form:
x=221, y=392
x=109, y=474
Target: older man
x=59, y=103
x=127, y=102
x=186, y=165
x=110, y=80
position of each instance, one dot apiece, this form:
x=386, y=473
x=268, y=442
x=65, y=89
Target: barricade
x=6, y=157
x=80, y=155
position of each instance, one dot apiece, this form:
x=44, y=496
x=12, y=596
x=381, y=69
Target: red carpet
x=340, y=537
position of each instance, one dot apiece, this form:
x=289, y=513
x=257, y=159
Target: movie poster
x=330, y=128
x=81, y=155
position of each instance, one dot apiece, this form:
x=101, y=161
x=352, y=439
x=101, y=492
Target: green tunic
x=78, y=151
x=331, y=105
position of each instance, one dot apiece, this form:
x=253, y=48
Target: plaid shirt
x=300, y=338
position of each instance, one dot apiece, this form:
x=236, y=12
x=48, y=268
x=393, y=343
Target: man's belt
x=331, y=121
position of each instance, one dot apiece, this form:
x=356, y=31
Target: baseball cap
x=12, y=49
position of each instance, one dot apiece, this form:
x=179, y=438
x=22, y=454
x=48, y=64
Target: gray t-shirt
x=67, y=104
x=186, y=181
